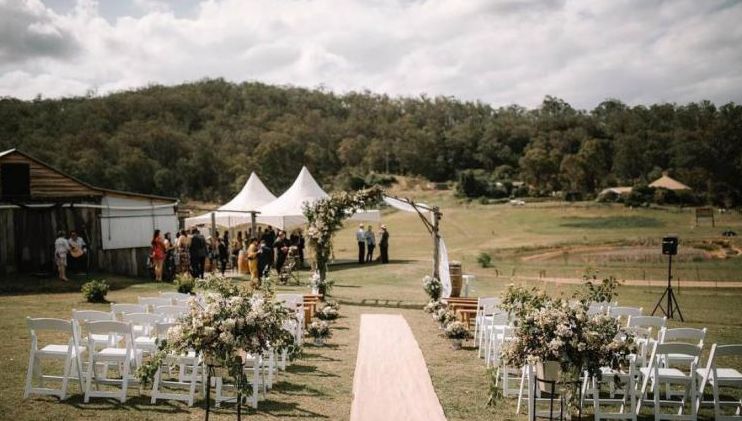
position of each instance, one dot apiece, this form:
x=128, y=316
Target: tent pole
x=436, y=242
x=213, y=223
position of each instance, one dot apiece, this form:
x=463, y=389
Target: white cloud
x=500, y=52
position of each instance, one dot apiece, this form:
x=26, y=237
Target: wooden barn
x=37, y=200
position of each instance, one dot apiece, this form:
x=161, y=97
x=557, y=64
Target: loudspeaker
x=670, y=245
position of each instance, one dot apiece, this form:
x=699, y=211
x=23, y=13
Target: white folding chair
x=69, y=353
x=190, y=371
x=294, y=302
x=143, y=329
x=670, y=376
x=125, y=355
x=646, y=331
x=152, y=302
x=610, y=407
x=495, y=335
x=81, y=317
x=254, y=372
x=171, y=313
x=684, y=335
x=619, y=312
x=719, y=377
x=596, y=309
x=175, y=295
x=486, y=309
x=119, y=310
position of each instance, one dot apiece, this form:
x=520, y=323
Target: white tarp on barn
x=130, y=222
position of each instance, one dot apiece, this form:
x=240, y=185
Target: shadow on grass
x=353, y=264
x=293, y=389
x=24, y=284
x=284, y=410
x=314, y=356
x=133, y=403
x=308, y=369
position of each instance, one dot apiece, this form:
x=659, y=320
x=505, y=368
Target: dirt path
x=639, y=282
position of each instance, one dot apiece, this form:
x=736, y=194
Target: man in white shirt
x=361, y=239
x=61, y=248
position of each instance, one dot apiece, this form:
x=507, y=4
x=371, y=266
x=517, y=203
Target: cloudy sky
x=497, y=51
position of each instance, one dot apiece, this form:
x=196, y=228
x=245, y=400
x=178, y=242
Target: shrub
x=484, y=260
x=185, y=283
x=444, y=316
x=95, y=291
x=593, y=292
x=329, y=311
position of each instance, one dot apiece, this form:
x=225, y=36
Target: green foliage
x=484, y=259
x=519, y=301
x=95, y=291
x=457, y=330
x=185, y=283
x=432, y=287
x=592, y=291
x=168, y=140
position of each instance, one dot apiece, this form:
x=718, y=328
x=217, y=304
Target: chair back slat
x=729, y=350
x=58, y=325
x=677, y=348
x=105, y=327
x=124, y=308
x=91, y=315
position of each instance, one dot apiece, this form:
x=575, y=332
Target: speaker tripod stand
x=672, y=303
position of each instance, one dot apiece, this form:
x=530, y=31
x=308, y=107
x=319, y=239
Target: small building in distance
x=37, y=200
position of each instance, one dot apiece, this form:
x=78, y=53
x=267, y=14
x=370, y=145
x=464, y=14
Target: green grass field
x=319, y=385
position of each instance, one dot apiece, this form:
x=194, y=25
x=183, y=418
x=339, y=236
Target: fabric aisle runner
x=391, y=381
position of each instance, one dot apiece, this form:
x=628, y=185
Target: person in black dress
x=281, y=247
x=384, y=245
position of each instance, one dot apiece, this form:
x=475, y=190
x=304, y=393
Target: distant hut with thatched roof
x=666, y=182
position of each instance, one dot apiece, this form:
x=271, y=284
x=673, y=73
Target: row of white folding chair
x=658, y=374
x=486, y=308
x=70, y=353
x=718, y=377
x=497, y=331
x=122, y=352
x=190, y=373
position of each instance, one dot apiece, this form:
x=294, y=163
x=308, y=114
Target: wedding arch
x=325, y=217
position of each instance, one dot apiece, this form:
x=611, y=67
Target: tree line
x=201, y=140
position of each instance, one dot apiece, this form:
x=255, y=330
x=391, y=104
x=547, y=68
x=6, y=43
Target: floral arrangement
x=432, y=287
x=185, y=283
x=457, y=330
x=325, y=217
x=323, y=286
x=329, y=311
x=444, y=316
x=432, y=306
x=95, y=291
x=230, y=321
x=319, y=329
x=519, y=302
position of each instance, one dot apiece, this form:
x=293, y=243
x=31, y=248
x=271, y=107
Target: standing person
x=184, y=254
x=361, y=239
x=223, y=253
x=78, y=253
x=370, y=244
x=157, y=254
x=198, y=253
x=252, y=260
x=264, y=259
x=281, y=246
x=270, y=238
x=384, y=244
x=168, y=269
x=61, y=248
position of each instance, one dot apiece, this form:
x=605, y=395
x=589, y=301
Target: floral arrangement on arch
x=325, y=217
x=432, y=287
x=230, y=321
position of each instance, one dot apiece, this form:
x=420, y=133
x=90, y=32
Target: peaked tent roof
x=252, y=196
x=668, y=183
x=287, y=210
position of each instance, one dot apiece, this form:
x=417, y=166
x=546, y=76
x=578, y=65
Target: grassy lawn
x=319, y=385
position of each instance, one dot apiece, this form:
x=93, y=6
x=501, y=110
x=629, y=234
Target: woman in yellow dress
x=252, y=259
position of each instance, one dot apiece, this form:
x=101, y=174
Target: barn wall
x=45, y=182
x=7, y=242
x=129, y=261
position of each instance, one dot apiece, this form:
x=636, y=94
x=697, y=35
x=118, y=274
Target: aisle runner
x=391, y=380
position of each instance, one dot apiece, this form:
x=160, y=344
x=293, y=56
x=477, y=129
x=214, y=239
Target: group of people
x=367, y=244
x=70, y=254
x=193, y=253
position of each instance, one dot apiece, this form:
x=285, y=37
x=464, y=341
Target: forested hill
x=201, y=140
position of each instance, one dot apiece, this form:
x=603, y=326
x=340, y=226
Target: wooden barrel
x=454, y=268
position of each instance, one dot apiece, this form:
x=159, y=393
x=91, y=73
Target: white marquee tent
x=286, y=211
x=236, y=212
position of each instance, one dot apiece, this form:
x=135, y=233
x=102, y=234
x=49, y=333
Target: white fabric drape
x=443, y=272
x=404, y=206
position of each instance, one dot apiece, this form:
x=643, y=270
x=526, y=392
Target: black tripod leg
x=675, y=303
x=659, y=305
